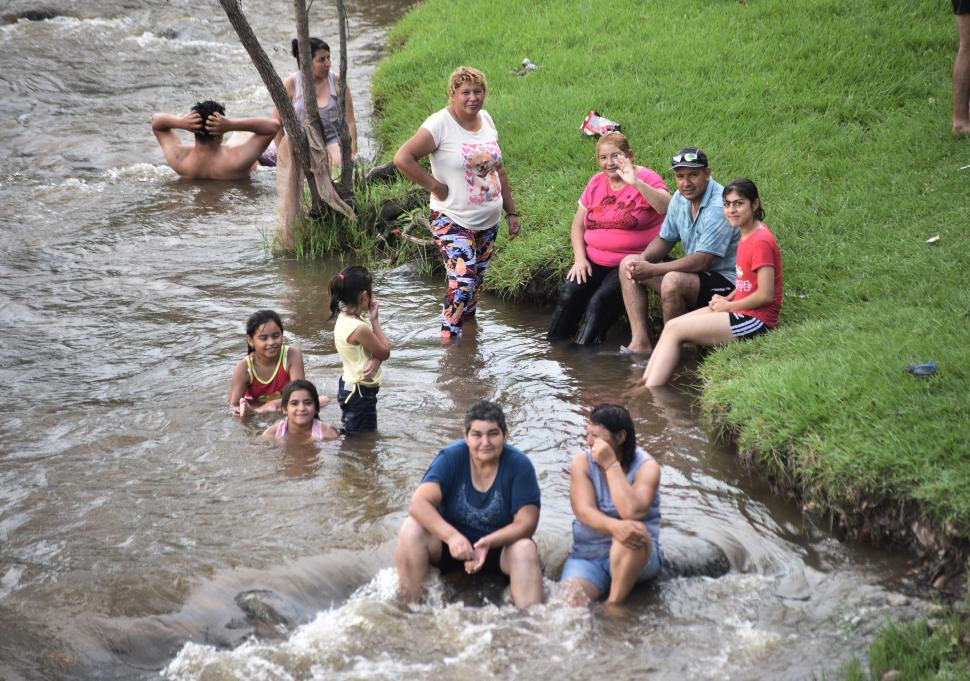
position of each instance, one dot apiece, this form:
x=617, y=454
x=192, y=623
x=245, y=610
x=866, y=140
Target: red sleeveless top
x=263, y=391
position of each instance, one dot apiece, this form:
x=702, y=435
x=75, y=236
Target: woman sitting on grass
x=752, y=308
x=619, y=213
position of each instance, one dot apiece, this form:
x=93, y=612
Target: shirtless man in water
x=209, y=158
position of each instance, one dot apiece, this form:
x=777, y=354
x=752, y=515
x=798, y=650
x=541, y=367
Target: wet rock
x=794, y=586
x=36, y=14
x=686, y=556
x=169, y=34
x=267, y=613
x=897, y=600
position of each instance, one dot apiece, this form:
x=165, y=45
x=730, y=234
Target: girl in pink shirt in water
x=301, y=417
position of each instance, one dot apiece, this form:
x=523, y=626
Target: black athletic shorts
x=491, y=567
x=712, y=283
x=961, y=6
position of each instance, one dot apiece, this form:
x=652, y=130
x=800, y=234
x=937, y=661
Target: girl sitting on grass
x=301, y=417
x=362, y=347
x=751, y=309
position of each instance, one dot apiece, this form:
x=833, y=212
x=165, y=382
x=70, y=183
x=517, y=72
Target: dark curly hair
x=206, y=109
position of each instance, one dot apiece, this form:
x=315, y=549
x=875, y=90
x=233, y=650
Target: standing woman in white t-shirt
x=469, y=189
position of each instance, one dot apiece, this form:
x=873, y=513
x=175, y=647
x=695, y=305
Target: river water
x=135, y=514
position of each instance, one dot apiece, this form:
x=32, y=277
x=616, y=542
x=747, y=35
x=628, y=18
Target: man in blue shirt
x=694, y=217
x=476, y=509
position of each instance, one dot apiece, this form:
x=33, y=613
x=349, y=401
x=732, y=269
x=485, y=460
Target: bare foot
x=324, y=401
x=961, y=129
x=636, y=349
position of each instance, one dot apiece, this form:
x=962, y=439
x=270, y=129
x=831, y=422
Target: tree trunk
x=347, y=168
x=312, y=113
x=291, y=124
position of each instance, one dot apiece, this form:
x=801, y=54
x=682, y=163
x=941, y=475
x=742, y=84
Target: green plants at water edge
x=917, y=651
x=383, y=211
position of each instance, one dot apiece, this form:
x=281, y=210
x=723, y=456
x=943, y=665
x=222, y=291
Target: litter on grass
x=526, y=68
x=922, y=370
x=933, y=239
x=595, y=125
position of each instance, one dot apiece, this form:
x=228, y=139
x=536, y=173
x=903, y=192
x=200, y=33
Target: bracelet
x=509, y=215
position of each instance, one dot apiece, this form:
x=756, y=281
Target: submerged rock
x=267, y=613
x=36, y=14
x=686, y=556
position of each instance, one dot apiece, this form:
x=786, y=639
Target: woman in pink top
x=620, y=212
x=750, y=310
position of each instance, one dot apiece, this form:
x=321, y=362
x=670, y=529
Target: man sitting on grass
x=695, y=217
x=209, y=158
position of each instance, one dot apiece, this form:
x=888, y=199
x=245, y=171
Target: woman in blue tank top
x=614, y=493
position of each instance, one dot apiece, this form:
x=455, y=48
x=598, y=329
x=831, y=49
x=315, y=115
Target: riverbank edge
x=877, y=520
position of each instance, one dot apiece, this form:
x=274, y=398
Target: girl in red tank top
x=268, y=366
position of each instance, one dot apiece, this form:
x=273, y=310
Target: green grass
x=840, y=111
x=918, y=651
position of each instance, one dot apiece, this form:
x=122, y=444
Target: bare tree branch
x=347, y=167
x=292, y=125
x=311, y=113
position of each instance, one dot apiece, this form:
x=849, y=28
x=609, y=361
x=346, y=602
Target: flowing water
x=137, y=516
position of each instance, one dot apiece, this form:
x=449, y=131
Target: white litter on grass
x=964, y=167
x=933, y=239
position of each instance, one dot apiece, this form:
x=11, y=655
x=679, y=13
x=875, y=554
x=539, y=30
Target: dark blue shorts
x=358, y=408
x=961, y=6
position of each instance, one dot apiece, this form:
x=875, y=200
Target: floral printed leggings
x=467, y=254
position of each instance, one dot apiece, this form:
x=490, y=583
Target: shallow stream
x=135, y=514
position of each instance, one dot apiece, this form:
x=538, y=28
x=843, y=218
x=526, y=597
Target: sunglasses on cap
x=689, y=157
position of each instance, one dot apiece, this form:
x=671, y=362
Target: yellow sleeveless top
x=354, y=357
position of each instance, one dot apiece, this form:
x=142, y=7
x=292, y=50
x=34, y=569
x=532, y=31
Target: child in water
x=301, y=417
x=268, y=366
x=362, y=346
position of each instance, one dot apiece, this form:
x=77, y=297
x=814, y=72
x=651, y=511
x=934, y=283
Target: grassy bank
x=840, y=112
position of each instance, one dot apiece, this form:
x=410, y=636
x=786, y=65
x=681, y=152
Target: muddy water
x=136, y=516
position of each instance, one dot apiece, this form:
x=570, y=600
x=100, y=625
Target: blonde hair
x=465, y=74
x=617, y=139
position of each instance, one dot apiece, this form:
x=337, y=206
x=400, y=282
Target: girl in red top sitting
x=268, y=366
x=751, y=309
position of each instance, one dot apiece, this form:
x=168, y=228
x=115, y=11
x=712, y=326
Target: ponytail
x=346, y=287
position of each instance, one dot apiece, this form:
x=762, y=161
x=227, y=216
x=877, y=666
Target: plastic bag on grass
x=595, y=125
